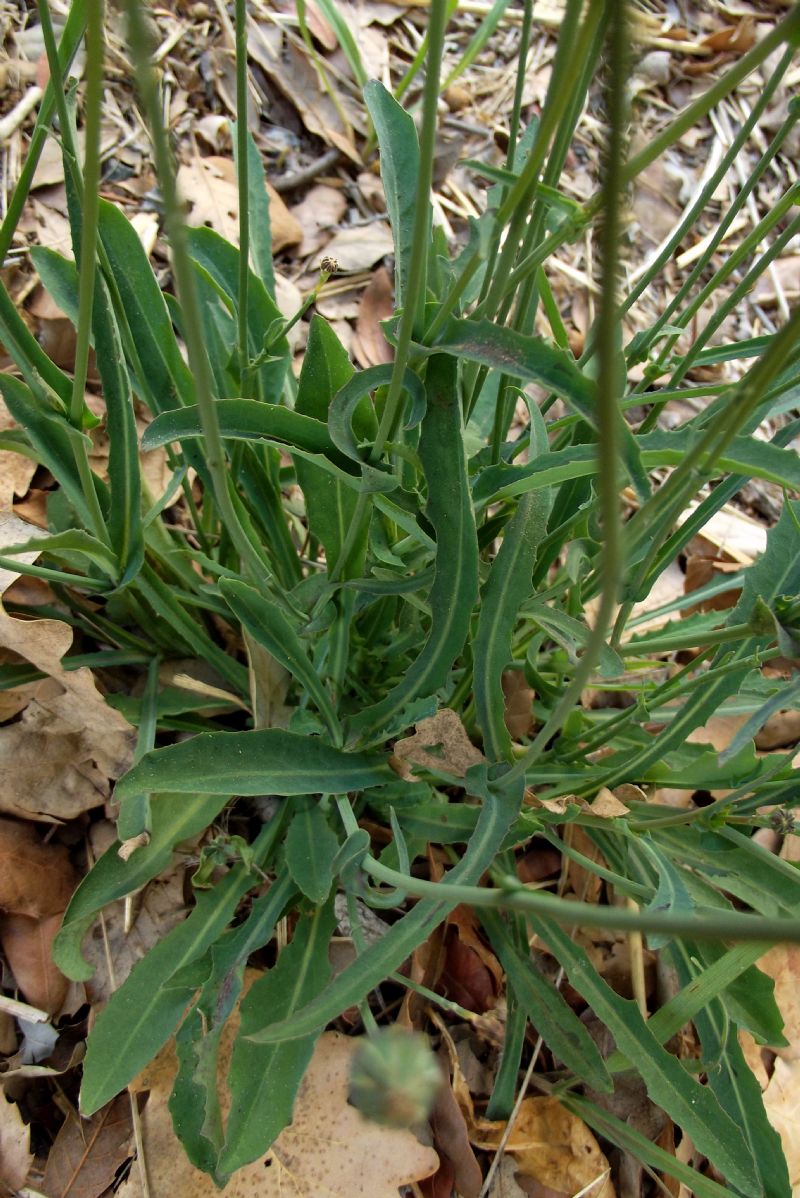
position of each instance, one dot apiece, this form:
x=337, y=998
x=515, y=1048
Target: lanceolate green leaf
x=455, y=582
x=526, y=356
x=745, y=455
x=258, y=204
x=329, y=504
x=776, y=573
x=31, y=360
x=311, y=847
x=195, y=1099
x=506, y=589
x=244, y=420
x=264, y=1077
x=174, y=819
x=270, y=627
x=737, y=1090
x=74, y=541
x=399, y=150
x=548, y=1011
x=142, y=1015
x=166, y=381
x=264, y=761
x=691, y=1105
x=379, y=960
x=125, y=516
x=56, y=442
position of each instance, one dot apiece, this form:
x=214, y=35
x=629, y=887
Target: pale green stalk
x=89, y=183
x=242, y=171
x=185, y=284
x=608, y=388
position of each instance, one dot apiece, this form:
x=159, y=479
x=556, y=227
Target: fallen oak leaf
x=552, y=1146
x=27, y=945
x=87, y=1153
x=439, y=743
x=24, y=860
x=210, y=186
x=15, y=1155
x=328, y=1149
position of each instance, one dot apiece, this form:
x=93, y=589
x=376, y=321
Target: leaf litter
x=85, y=757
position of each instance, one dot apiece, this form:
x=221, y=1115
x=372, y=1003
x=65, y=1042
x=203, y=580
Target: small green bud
x=394, y=1078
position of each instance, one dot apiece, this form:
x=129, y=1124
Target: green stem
x=187, y=291
x=608, y=387
x=513, y=896
x=70, y=40
x=91, y=203
x=413, y=312
x=242, y=168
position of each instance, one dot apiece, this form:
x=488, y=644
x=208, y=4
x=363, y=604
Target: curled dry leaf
x=289, y=68
x=552, y=1146
x=329, y=1148
x=518, y=710
x=87, y=1153
x=359, y=247
x=209, y=184
x=369, y=344
x=68, y=742
x=319, y=214
x=439, y=743
x=24, y=861
x=15, y=1154
x=27, y=945
x=782, y=1104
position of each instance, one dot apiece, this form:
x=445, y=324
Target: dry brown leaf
x=730, y=535
x=290, y=69
x=24, y=861
x=445, y=733
x=553, y=1146
x=606, y=805
x=782, y=1104
x=451, y=1140
x=359, y=247
x=518, y=710
x=15, y=1154
x=319, y=214
x=156, y=911
x=27, y=945
x=733, y=39
x=16, y=471
x=87, y=1153
x=209, y=184
x=69, y=742
x=329, y=1148
x=370, y=346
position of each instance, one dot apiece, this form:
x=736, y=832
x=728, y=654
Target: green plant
x=443, y=542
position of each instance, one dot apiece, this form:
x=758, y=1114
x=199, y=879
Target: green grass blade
x=267, y=624
x=693, y=1106
x=506, y=589
x=265, y=1077
x=455, y=582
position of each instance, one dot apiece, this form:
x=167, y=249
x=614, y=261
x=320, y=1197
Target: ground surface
x=58, y=743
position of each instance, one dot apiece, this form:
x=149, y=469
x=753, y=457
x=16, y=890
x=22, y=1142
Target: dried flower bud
x=329, y=265
x=395, y=1078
